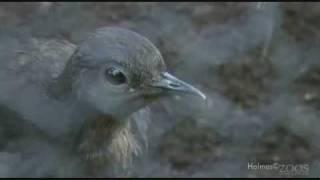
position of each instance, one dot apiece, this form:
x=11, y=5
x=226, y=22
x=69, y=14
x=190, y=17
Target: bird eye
x=115, y=76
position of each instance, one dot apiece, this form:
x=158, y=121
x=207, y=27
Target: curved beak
x=171, y=83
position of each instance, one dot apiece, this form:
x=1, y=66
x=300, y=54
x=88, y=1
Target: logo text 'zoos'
x=283, y=169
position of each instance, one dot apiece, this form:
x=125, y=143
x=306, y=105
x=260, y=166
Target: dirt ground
x=257, y=62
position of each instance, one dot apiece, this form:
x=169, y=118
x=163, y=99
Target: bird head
x=117, y=71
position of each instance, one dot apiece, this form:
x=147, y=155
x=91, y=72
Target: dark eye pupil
x=115, y=76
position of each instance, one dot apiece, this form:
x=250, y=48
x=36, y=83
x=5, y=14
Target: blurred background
x=258, y=63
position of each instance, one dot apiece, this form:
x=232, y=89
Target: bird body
x=89, y=101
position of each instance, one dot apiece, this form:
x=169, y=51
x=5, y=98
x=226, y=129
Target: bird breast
x=106, y=140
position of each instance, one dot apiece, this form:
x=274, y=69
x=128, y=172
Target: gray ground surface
x=258, y=63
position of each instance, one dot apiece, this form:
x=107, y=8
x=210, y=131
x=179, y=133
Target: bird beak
x=169, y=82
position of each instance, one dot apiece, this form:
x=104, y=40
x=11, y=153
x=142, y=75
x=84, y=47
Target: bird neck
x=98, y=138
x=103, y=140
